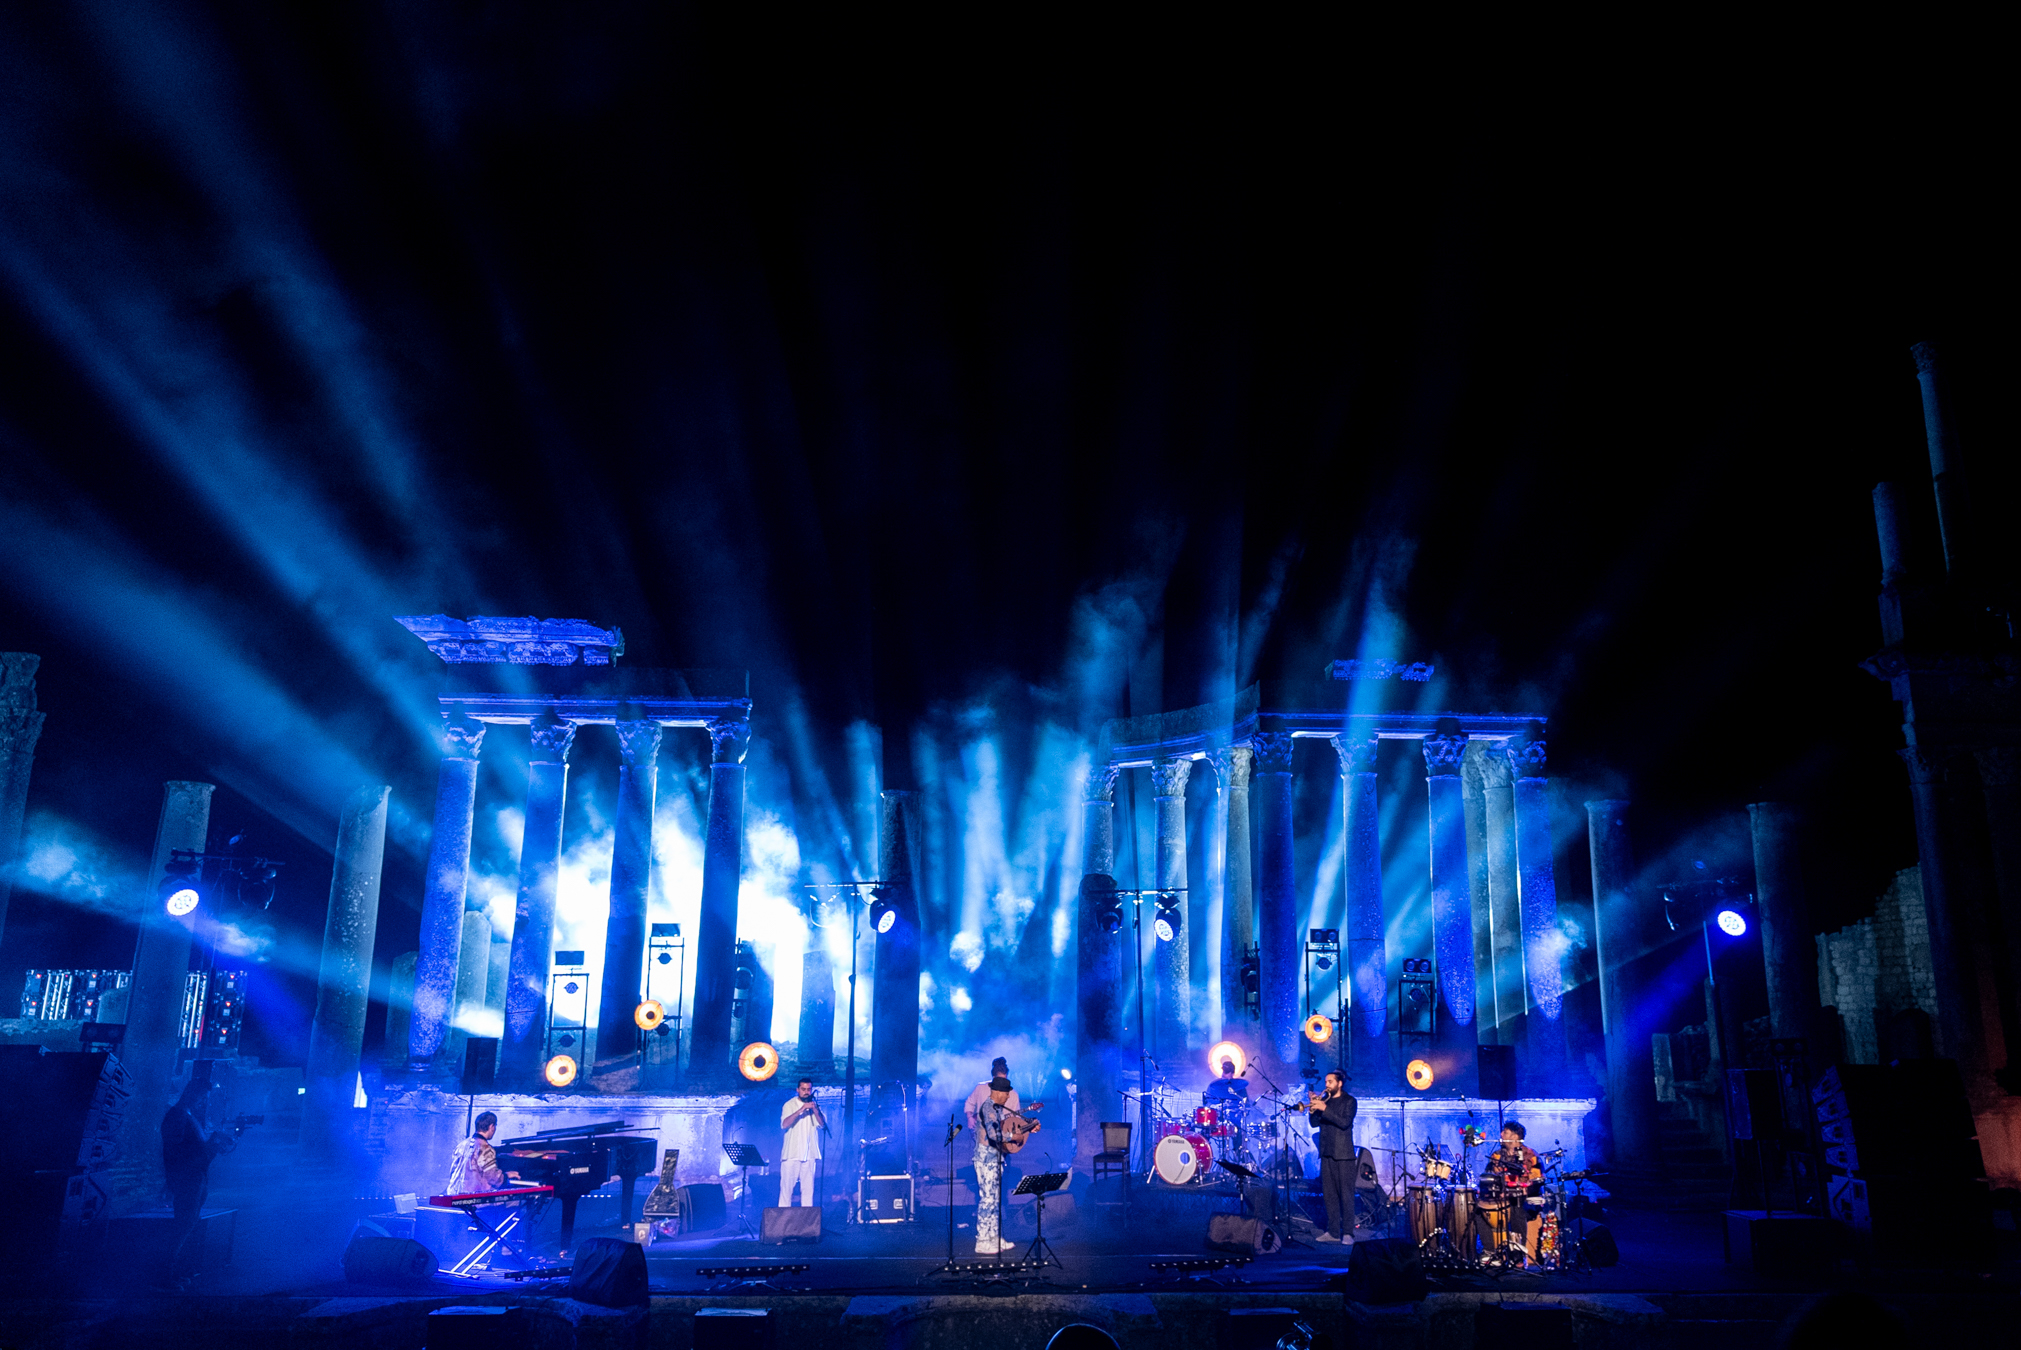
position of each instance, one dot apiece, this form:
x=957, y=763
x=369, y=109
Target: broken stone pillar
x=344, y=978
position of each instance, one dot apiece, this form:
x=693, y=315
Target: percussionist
x=1521, y=1174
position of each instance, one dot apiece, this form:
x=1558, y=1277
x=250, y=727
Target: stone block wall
x=1878, y=967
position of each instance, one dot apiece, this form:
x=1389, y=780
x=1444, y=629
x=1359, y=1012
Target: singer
x=799, y=1157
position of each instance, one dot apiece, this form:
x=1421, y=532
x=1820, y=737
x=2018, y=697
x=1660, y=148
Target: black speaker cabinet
x=1497, y=1064
x=705, y=1207
x=1386, y=1271
x=609, y=1273
x=794, y=1223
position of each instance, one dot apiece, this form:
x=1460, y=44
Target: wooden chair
x=1114, y=1159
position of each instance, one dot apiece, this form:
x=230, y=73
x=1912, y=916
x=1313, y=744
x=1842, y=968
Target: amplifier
x=884, y=1199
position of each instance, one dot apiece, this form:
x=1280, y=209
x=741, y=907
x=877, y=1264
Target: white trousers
x=798, y=1171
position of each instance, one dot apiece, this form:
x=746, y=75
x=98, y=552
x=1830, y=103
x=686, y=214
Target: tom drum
x=1204, y=1118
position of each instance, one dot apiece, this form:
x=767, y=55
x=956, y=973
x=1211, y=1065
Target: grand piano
x=579, y=1160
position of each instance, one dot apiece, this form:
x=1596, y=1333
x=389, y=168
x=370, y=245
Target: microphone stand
x=954, y=1127
x=1277, y=1216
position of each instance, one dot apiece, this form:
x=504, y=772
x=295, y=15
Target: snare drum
x=1205, y=1117
x=1422, y=1204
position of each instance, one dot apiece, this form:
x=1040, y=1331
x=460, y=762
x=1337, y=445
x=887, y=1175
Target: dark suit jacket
x=1336, y=1127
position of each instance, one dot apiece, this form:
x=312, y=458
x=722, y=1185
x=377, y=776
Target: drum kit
x=1188, y=1144
x=1459, y=1221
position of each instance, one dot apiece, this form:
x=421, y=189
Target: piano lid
x=586, y=1133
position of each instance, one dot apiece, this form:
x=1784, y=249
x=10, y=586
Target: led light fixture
x=758, y=1062
x=178, y=890
x=1418, y=1074
x=560, y=1071
x=1732, y=923
x=1319, y=1028
x=649, y=1014
x=1226, y=1050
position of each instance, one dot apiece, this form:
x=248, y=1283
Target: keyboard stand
x=498, y=1238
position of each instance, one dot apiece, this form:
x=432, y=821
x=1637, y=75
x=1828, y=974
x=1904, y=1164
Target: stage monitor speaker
x=705, y=1207
x=1753, y=1104
x=733, y=1328
x=387, y=1260
x=1600, y=1248
x=1257, y=1328
x=610, y=1273
x=480, y=1064
x=1240, y=1233
x=60, y=1111
x=1497, y=1067
x=794, y=1223
x=1386, y=1270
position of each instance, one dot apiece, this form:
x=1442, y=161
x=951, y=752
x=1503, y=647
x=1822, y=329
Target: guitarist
x=1000, y=1131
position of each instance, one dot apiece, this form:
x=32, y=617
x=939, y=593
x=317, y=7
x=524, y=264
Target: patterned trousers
x=988, y=1180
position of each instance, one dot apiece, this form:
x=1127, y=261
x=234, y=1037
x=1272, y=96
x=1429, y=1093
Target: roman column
x=1098, y=968
x=1452, y=905
x=1505, y=899
x=20, y=728
x=894, y=997
x=1787, y=948
x=1367, y=945
x=1474, y=799
x=344, y=978
x=624, y=958
x=710, y=1051
x=154, y=1007
x=1537, y=905
x=1277, y=895
x=473, y=973
x=519, y=1054
x=1175, y=976
x=1620, y=935
x=1231, y=767
x=436, y=963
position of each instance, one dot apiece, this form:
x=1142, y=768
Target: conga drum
x=1462, y=1203
x=1494, y=1212
x=1422, y=1204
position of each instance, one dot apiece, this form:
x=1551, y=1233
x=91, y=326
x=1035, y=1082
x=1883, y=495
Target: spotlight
x=758, y=1062
x=883, y=914
x=1319, y=1028
x=649, y=1014
x=1418, y=1074
x=560, y=1071
x=1226, y=1050
x=178, y=889
x=1166, y=925
x=1104, y=906
x=1252, y=976
x=1732, y=923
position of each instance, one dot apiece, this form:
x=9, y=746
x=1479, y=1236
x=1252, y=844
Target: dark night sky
x=905, y=368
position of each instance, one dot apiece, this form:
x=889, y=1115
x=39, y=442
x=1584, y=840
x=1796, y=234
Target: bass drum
x=1180, y=1159
x=1422, y=1204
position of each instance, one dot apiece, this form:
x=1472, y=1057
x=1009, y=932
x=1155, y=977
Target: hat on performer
x=999, y=1084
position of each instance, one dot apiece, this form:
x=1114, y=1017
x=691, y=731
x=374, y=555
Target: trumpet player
x=1333, y=1117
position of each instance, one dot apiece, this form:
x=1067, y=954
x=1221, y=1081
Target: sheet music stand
x=747, y=1157
x=1041, y=1184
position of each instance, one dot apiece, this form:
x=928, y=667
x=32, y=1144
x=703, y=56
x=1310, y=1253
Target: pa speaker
x=1386, y=1271
x=794, y=1223
x=1753, y=1104
x=705, y=1207
x=1600, y=1248
x=1497, y=1066
x=1239, y=1233
x=609, y=1273
x=480, y=1064
x=387, y=1260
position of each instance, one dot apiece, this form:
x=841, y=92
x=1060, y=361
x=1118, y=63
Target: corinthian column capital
x=1231, y=766
x=462, y=736
x=1527, y=753
x=1357, y=754
x=1102, y=783
x=552, y=739
x=729, y=739
x=639, y=741
x=1443, y=750
x=1168, y=777
x=1273, y=751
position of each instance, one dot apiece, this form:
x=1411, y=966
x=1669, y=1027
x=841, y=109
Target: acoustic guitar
x=1017, y=1129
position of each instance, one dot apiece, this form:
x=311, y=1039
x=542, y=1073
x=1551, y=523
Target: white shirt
x=803, y=1138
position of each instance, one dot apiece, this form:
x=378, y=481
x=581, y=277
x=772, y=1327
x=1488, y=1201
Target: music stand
x=747, y=1157
x=1244, y=1178
x=1041, y=1184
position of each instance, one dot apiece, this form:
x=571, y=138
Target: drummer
x=1516, y=1165
x=1228, y=1090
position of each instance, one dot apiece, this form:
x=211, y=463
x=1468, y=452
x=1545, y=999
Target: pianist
x=473, y=1168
